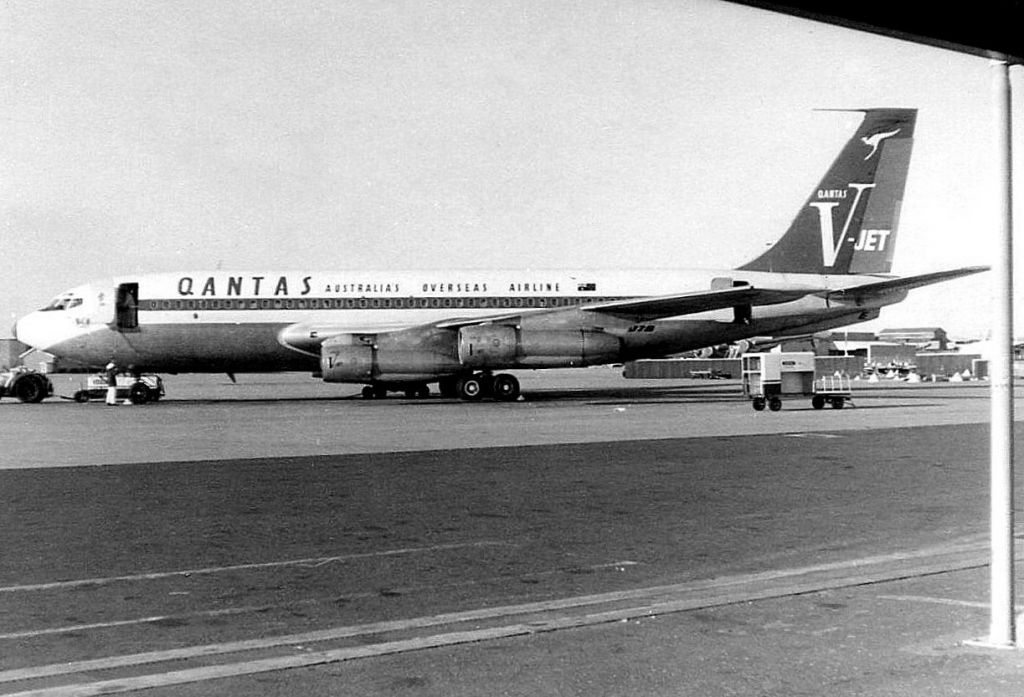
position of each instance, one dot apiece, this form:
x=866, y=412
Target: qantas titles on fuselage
x=283, y=286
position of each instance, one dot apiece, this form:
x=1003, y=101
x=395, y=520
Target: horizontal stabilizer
x=905, y=283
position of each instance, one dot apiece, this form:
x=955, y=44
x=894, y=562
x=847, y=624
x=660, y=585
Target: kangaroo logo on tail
x=874, y=141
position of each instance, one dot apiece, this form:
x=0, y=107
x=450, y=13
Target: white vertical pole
x=1003, y=631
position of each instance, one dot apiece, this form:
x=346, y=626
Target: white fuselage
x=221, y=321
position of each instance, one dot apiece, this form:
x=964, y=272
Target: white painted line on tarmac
x=312, y=562
x=642, y=602
x=942, y=601
x=318, y=635
x=193, y=675
x=30, y=633
x=48, y=631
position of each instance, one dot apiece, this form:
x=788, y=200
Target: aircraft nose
x=27, y=331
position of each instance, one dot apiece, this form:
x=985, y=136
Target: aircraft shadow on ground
x=701, y=392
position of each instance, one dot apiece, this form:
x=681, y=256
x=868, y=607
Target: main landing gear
x=471, y=388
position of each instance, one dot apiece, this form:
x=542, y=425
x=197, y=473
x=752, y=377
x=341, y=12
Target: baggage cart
x=768, y=377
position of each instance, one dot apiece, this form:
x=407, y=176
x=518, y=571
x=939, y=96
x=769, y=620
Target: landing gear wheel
x=505, y=388
x=817, y=401
x=417, y=391
x=758, y=403
x=775, y=404
x=471, y=389
x=81, y=396
x=374, y=392
x=838, y=403
x=138, y=394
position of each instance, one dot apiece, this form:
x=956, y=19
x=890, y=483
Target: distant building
x=14, y=353
x=10, y=352
x=933, y=338
x=840, y=335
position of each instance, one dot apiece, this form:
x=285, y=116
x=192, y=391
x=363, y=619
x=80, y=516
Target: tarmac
x=838, y=553
x=900, y=638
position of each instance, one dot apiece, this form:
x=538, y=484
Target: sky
x=142, y=136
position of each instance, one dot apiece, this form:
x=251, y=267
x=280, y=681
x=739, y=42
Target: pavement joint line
x=312, y=562
x=649, y=602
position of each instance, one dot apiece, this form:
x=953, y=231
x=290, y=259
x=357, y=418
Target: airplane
x=405, y=330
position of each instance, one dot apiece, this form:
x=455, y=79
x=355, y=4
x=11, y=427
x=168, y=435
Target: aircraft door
x=127, y=307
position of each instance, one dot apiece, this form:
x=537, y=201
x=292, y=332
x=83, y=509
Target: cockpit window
x=63, y=302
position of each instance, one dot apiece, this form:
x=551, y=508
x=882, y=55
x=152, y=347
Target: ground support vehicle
x=25, y=384
x=768, y=377
x=834, y=390
x=138, y=390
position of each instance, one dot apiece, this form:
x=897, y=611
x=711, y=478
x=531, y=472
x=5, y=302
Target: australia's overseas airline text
x=284, y=286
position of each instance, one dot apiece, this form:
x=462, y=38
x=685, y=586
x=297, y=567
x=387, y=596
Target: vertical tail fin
x=848, y=225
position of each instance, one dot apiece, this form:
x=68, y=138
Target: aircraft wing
x=644, y=309
x=905, y=283
x=649, y=308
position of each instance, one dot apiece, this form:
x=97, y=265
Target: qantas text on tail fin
x=405, y=330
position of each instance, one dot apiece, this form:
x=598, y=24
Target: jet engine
x=396, y=357
x=490, y=346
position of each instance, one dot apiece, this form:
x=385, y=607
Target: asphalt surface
x=845, y=558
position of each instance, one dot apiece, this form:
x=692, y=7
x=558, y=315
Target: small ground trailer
x=25, y=384
x=768, y=377
x=137, y=390
x=831, y=389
